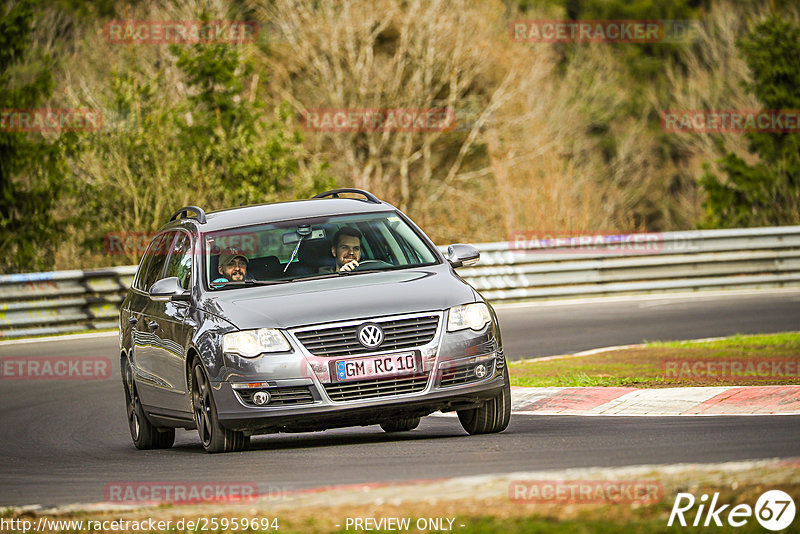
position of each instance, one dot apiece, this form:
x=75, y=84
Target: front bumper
x=458, y=370
x=323, y=413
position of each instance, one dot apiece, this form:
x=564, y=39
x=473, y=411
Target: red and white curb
x=722, y=400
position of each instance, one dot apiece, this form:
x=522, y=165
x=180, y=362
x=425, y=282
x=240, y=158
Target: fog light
x=480, y=370
x=261, y=398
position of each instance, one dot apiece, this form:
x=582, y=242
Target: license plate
x=376, y=366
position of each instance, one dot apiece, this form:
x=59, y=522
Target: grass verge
x=465, y=516
x=771, y=359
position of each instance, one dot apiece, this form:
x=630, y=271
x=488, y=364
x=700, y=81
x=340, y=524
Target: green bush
x=767, y=192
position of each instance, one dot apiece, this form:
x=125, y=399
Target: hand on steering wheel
x=349, y=266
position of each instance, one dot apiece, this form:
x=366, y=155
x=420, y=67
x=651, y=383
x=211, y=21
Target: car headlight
x=251, y=343
x=474, y=316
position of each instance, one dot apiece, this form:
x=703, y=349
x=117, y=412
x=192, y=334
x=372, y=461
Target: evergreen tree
x=224, y=129
x=768, y=192
x=33, y=169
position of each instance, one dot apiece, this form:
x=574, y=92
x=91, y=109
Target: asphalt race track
x=554, y=328
x=64, y=441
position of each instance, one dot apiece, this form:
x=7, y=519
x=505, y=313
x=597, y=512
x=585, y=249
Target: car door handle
x=153, y=325
x=133, y=320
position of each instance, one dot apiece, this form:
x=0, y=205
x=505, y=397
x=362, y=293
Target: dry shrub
x=129, y=176
x=109, y=169
x=525, y=153
x=381, y=55
x=714, y=78
x=522, y=156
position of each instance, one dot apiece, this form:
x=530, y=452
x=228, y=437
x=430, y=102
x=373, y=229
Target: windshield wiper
x=250, y=282
x=294, y=252
x=337, y=274
x=361, y=271
x=316, y=277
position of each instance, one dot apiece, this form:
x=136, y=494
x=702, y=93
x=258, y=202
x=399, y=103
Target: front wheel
x=215, y=437
x=144, y=434
x=493, y=416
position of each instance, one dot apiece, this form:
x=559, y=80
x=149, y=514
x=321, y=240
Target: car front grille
x=339, y=341
x=370, y=389
x=281, y=396
x=464, y=374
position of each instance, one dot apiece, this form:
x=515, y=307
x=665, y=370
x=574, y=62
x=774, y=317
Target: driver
x=232, y=267
x=346, y=248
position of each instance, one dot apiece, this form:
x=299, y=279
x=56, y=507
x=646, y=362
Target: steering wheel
x=367, y=265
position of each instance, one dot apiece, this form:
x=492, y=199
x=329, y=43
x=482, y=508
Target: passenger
x=232, y=267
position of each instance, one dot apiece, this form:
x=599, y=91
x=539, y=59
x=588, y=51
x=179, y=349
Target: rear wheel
x=214, y=437
x=493, y=416
x=144, y=434
x=400, y=424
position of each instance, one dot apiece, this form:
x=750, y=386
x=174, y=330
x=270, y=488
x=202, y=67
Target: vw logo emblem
x=370, y=335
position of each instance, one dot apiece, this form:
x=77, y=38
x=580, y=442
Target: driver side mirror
x=168, y=289
x=460, y=255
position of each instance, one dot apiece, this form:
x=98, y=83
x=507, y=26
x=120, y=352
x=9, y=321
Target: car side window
x=180, y=260
x=156, y=266
x=141, y=274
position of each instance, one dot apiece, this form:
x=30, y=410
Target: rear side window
x=138, y=282
x=180, y=260
x=154, y=260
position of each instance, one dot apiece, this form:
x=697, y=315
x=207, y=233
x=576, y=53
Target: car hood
x=342, y=298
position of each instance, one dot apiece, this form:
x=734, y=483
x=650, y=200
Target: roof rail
x=335, y=194
x=201, y=215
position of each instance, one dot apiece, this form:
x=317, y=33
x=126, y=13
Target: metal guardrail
x=536, y=268
x=62, y=301
x=706, y=259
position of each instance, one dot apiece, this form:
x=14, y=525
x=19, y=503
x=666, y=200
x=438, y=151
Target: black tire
x=400, y=424
x=492, y=417
x=144, y=434
x=214, y=437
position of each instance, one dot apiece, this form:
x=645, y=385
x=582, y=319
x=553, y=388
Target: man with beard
x=232, y=267
x=346, y=248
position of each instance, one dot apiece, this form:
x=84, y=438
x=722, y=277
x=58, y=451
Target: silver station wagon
x=302, y=316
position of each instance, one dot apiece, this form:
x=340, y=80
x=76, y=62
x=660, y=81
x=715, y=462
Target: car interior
x=313, y=256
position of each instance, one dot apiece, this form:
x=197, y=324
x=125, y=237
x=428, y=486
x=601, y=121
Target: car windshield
x=289, y=251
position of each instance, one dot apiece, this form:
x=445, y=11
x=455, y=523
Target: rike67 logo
x=774, y=510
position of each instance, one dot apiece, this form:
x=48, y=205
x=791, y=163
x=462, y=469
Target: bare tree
x=420, y=54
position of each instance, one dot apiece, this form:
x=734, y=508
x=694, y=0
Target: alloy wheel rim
x=133, y=418
x=202, y=406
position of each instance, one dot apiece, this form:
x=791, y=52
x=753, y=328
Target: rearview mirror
x=305, y=232
x=168, y=289
x=460, y=255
